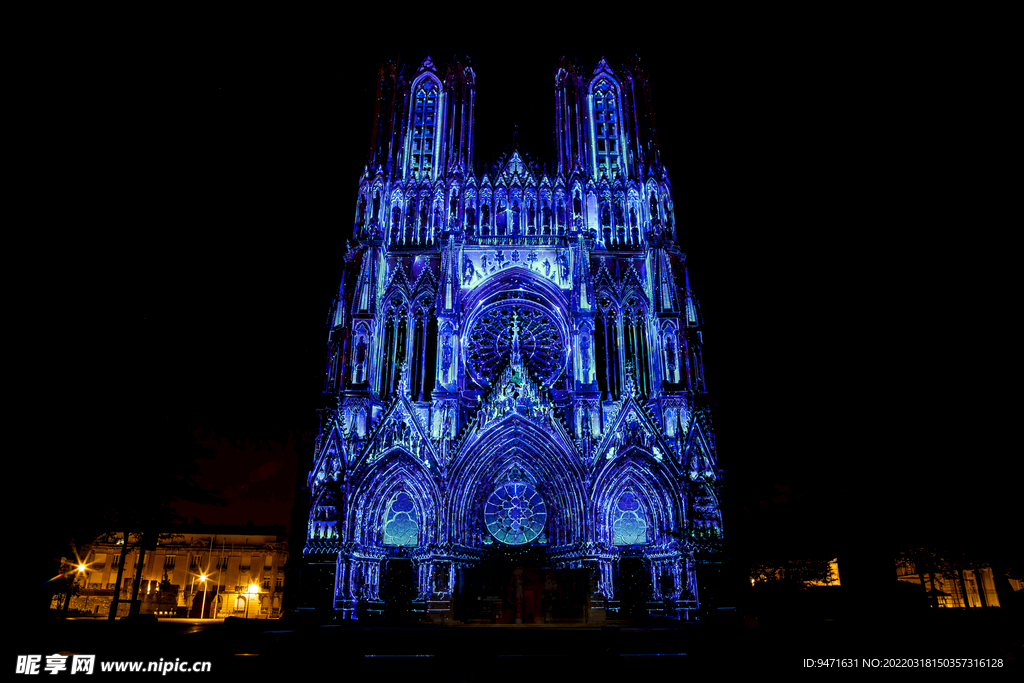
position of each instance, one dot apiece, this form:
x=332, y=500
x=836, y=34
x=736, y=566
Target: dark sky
x=791, y=178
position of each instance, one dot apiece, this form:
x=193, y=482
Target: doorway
x=399, y=590
x=633, y=587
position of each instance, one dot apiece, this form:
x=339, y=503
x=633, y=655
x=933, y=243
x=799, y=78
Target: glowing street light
x=253, y=590
x=202, y=608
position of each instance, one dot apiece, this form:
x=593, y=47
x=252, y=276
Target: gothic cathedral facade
x=514, y=367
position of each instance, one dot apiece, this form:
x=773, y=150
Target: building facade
x=515, y=408
x=945, y=586
x=197, y=571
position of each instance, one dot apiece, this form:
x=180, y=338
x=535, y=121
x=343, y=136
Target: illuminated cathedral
x=515, y=425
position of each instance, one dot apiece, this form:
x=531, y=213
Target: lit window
x=605, y=131
x=515, y=513
x=629, y=527
x=422, y=128
x=400, y=521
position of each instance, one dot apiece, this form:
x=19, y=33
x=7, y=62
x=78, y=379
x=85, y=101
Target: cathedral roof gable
x=617, y=433
x=604, y=278
x=399, y=282
x=631, y=282
x=401, y=411
x=698, y=455
x=516, y=170
x=333, y=446
x=603, y=69
x=425, y=283
x=427, y=65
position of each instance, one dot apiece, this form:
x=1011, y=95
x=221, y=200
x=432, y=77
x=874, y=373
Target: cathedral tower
x=515, y=402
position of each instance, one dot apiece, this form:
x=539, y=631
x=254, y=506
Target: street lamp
x=253, y=590
x=81, y=572
x=202, y=608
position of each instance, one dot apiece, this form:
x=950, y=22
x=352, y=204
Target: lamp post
x=81, y=572
x=253, y=591
x=202, y=607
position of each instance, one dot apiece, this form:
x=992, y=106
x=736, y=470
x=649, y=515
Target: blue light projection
x=400, y=527
x=629, y=526
x=515, y=356
x=515, y=513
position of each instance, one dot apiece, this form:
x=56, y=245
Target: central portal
x=517, y=585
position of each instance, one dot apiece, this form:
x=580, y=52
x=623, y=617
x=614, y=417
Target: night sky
x=791, y=182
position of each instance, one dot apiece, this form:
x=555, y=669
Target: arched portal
x=518, y=501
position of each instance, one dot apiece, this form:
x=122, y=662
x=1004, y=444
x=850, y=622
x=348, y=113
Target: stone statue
x=585, y=353
x=446, y=354
x=360, y=359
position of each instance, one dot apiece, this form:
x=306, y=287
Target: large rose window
x=541, y=345
x=515, y=513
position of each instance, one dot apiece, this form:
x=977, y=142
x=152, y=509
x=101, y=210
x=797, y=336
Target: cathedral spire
x=689, y=300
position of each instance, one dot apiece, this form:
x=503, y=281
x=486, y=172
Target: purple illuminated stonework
x=514, y=372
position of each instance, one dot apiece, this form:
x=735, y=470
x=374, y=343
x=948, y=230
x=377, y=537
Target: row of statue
x=507, y=219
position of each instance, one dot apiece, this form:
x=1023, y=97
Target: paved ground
x=501, y=653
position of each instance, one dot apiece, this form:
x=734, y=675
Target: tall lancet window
x=400, y=522
x=424, y=120
x=606, y=128
x=630, y=524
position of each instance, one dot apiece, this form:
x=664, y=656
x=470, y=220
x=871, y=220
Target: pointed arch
x=543, y=451
x=604, y=95
x=379, y=485
x=425, y=123
x=629, y=519
x=636, y=471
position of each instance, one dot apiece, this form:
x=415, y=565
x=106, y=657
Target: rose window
x=489, y=343
x=515, y=513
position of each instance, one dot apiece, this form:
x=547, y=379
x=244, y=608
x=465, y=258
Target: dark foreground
x=931, y=640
